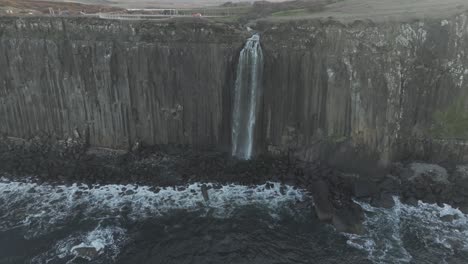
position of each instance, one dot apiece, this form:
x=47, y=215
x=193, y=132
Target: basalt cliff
x=352, y=94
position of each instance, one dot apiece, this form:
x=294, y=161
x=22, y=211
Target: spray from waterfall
x=246, y=98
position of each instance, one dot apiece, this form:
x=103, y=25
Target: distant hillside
x=161, y=3
x=20, y=6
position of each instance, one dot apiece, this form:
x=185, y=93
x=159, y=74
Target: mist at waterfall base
x=270, y=223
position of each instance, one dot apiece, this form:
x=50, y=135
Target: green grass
x=451, y=123
x=292, y=12
x=226, y=19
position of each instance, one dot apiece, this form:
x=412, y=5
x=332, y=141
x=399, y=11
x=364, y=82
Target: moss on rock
x=453, y=122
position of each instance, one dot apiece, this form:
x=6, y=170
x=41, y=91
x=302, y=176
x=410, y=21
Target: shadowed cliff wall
x=370, y=92
x=161, y=83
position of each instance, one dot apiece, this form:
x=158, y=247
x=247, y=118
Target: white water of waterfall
x=246, y=98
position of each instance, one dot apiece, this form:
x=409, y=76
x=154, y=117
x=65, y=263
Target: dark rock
x=447, y=218
x=458, y=199
x=88, y=253
x=390, y=184
x=323, y=207
x=349, y=220
x=460, y=177
x=364, y=188
x=464, y=209
x=282, y=189
x=384, y=200
x=332, y=191
x=431, y=184
x=129, y=192
x=204, y=191
x=432, y=172
x=411, y=201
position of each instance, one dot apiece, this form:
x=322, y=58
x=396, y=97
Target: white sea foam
x=99, y=239
x=442, y=230
x=40, y=208
x=89, y=245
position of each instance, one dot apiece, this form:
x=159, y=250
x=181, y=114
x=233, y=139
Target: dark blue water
x=237, y=224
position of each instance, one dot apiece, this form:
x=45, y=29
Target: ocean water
x=270, y=223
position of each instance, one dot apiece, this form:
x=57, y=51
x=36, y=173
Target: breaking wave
x=102, y=242
x=406, y=234
x=39, y=210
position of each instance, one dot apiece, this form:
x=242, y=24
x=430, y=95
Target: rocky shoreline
x=44, y=159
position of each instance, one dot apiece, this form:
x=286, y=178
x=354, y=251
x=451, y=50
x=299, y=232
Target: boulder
x=460, y=176
x=204, y=191
x=349, y=219
x=427, y=182
x=323, y=207
x=363, y=188
x=433, y=172
x=84, y=252
x=384, y=200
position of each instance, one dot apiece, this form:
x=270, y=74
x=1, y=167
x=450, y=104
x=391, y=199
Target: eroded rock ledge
x=72, y=161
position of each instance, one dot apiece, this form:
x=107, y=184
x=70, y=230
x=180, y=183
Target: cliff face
x=381, y=91
x=387, y=91
x=160, y=83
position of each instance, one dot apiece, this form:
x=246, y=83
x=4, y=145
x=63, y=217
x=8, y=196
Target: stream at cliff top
x=267, y=223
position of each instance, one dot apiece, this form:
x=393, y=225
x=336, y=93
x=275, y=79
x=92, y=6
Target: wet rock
x=282, y=190
x=430, y=183
x=433, y=172
x=129, y=192
x=155, y=189
x=459, y=199
x=323, y=207
x=411, y=201
x=447, y=218
x=136, y=147
x=204, y=191
x=88, y=253
x=460, y=177
x=383, y=200
x=217, y=186
x=349, y=219
x=461, y=172
x=363, y=188
x=389, y=183
x=464, y=209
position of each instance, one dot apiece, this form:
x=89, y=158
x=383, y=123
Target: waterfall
x=246, y=98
